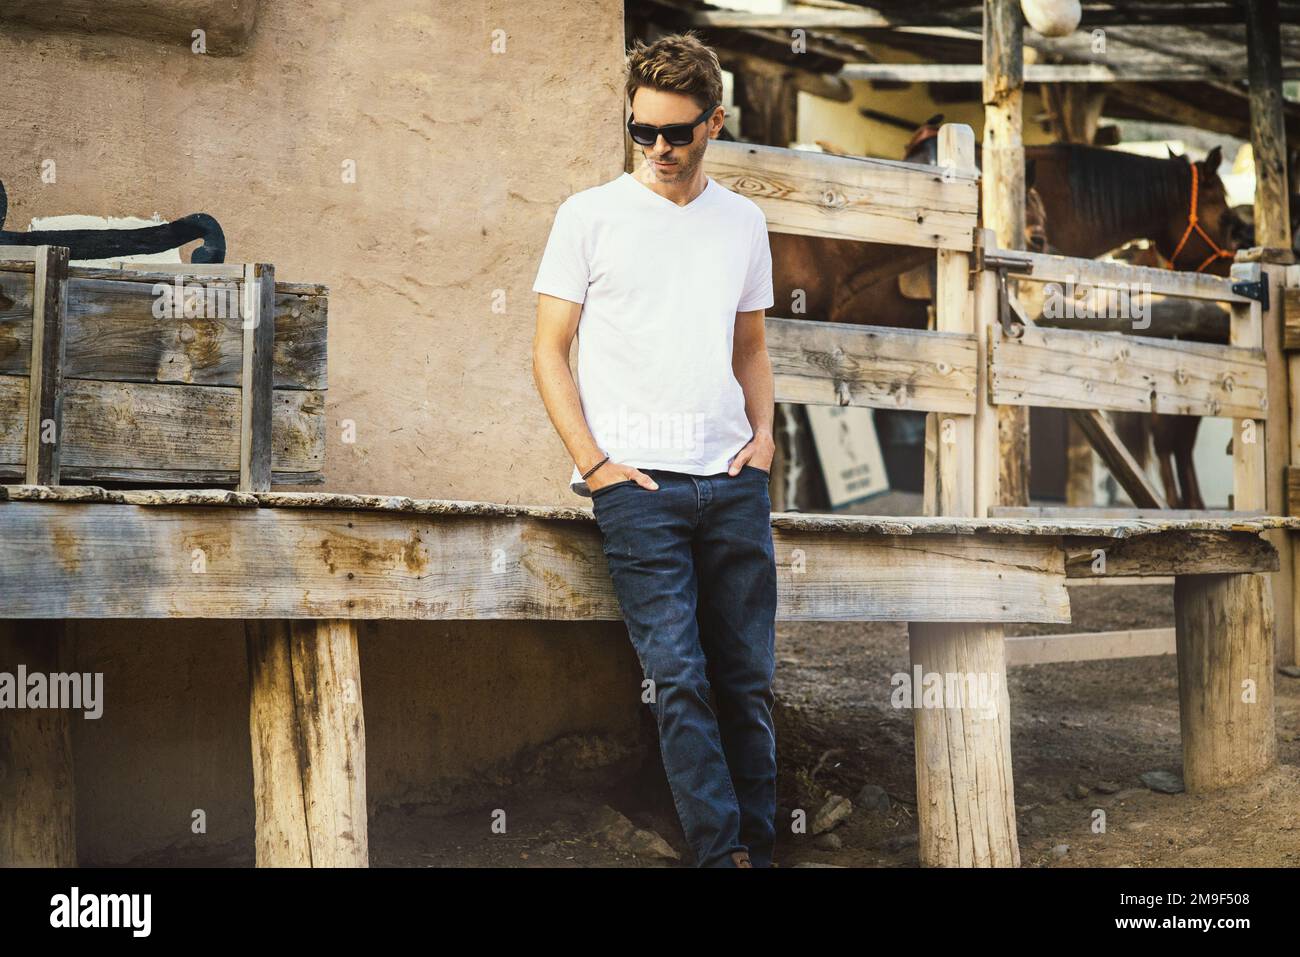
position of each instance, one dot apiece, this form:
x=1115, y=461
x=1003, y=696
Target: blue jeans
x=694, y=570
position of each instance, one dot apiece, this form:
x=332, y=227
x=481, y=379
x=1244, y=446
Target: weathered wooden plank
x=1190, y=552
x=1046, y=268
x=117, y=425
x=1069, y=513
x=113, y=332
x=1089, y=646
x=128, y=561
x=1066, y=369
x=1123, y=466
x=45, y=383
x=255, y=396
x=840, y=197
x=829, y=363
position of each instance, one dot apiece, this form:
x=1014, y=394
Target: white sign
x=849, y=451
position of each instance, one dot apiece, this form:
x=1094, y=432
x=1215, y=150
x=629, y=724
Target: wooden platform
x=302, y=568
x=291, y=555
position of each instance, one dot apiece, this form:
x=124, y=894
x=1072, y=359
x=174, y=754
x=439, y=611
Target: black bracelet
x=594, y=467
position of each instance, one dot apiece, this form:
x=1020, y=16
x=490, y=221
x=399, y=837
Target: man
x=664, y=277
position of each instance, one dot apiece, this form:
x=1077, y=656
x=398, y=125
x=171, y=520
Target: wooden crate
x=132, y=389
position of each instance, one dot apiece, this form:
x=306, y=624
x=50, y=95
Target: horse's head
x=1203, y=235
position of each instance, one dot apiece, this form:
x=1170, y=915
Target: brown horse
x=1095, y=200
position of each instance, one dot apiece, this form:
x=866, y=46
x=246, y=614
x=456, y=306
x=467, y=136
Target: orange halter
x=1194, y=224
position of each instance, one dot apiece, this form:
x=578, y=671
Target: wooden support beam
x=1188, y=552
x=1089, y=646
x=256, y=378
x=858, y=198
x=45, y=376
x=123, y=561
x=1118, y=459
x=1278, y=455
x=1003, y=203
x=1249, y=440
x=1267, y=125
x=309, y=751
x=1067, y=369
x=1119, y=71
x=950, y=459
x=1120, y=277
x=991, y=471
x=37, y=796
x=965, y=799
x=1225, y=678
x=835, y=363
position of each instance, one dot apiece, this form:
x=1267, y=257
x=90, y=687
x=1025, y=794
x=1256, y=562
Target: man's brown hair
x=678, y=63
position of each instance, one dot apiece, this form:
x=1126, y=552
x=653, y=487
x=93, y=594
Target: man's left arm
x=753, y=370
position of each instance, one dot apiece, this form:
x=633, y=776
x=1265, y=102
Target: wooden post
x=308, y=736
x=37, y=797
x=965, y=801
x=1273, y=232
x=950, y=439
x=1002, y=200
x=1224, y=625
x=1267, y=126
x=964, y=798
x=256, y=378
x=45, y=386
x=1246, y=329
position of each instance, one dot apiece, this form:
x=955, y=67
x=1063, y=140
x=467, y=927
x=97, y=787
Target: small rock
x=1166, y=782
x=1129, y=794
x=836, y=809
x=1291, y=671
x=622, y=835
x=1107, y=787
x=1137, y=825
x=1077, y=791
x=899, y=842
x=872, y=797
x=828, y=842
x=1061, y=850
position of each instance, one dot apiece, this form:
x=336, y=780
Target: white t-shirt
x=660, y=285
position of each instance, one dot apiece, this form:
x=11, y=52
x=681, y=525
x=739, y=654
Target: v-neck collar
x=708, y=187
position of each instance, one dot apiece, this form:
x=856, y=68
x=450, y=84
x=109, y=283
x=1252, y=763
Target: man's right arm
x=557, y=324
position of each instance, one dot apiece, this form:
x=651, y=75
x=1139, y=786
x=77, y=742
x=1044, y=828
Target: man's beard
x=687, y=163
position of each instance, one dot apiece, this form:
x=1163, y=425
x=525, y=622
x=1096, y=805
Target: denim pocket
x=755, y=468
x=606, y=488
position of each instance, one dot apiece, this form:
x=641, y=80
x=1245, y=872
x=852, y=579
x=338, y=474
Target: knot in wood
x=834, y=199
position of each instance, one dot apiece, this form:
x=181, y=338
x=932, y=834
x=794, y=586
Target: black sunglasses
x=677, y=134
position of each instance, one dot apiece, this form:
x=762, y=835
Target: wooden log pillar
x=37, y=797
x=1224, y=626
x=308, y=736
x=1273, y=233
x=1002, y=201
x=965, y=799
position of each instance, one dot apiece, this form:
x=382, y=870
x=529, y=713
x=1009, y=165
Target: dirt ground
x=1082, y=735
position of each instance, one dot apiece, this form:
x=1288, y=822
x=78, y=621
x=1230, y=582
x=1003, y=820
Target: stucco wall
x=461, y=156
